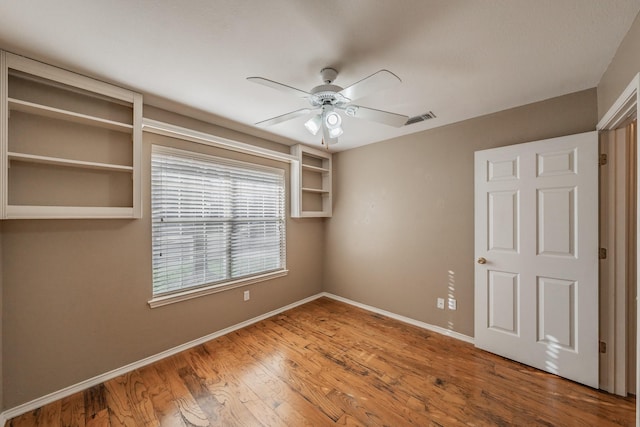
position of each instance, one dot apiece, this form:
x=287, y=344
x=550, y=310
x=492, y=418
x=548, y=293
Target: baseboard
x=91, y=382
x=423, y=325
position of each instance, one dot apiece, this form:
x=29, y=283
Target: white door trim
x=624, y=107
x=614, y=229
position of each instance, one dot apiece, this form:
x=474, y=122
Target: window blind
x=214, y=220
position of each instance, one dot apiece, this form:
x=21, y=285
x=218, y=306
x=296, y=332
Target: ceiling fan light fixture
x=332, y=120
x=335, y=132
x=314, y=124
x=351, y=110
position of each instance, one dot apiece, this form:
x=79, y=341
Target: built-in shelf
x=315, y=190
x=57, y=113
x=32, y=158
x=310, y=183
x=66, y=212
x=73, y=167
x=314, y=168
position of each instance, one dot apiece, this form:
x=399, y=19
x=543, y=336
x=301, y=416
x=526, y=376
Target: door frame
x=615, y=198
x=626, y=106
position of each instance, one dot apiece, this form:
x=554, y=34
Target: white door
x=536, y=246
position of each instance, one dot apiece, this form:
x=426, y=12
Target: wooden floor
x=328, y=363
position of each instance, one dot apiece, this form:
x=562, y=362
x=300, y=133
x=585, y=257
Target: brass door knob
x=481, y=260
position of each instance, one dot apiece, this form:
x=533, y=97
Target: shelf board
x=314, y=214
x=32, y=158
x=314, y=168
x=57, y=113
x=67, y=212
x=315, y=190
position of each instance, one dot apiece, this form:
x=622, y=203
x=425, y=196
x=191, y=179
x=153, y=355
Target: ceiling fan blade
x=384, y=117
x=381, y=80
x=283, y=118
x=279, y=86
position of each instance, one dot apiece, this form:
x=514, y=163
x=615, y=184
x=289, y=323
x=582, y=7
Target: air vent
x=420, y=118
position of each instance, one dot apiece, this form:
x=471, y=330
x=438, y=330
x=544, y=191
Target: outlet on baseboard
x=247, y=295
x=440, y=303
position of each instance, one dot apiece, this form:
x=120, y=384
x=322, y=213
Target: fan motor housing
x=328, y=75
x=326, y=94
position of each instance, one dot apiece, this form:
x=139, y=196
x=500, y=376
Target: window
x=215, y=221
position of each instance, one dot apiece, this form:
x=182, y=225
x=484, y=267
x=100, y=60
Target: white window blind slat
x=213, y=220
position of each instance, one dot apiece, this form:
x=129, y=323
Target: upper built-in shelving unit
x=69, y=145
x=311, y=183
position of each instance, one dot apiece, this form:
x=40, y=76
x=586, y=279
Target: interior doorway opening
x=618, y=266
x=621, y=113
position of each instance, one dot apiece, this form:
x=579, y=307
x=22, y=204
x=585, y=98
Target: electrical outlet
x=247, y=296
x=441, y=303
x=453, y=304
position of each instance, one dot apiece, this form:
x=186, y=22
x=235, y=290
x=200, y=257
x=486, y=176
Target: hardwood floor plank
x=120, y=412
x=72, y=410
x=95, y=401
x=360, y=382
x=49, y=415
x=327, y=363
x=302, y=377
x=360, y=366
x=100, y=419
x=290, y=407
x=190, y=411
x=291, y=368
x=229, y=393
x=164, y=403
x=348, y=420
x=350, y=392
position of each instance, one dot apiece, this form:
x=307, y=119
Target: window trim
x=190, y=135
x=188, y=294
x=207, y=289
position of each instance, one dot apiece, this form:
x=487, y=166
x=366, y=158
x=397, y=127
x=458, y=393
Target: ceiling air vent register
x=421, y=118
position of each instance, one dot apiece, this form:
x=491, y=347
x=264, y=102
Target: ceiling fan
x=328, y=99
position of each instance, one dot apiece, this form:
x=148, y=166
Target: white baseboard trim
x=423, y=325
x=91, y=382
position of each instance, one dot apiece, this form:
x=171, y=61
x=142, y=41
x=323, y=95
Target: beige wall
x=75, y=292
x=624, y=66
x=401, y=234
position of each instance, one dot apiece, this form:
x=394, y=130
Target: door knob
x=481, y=260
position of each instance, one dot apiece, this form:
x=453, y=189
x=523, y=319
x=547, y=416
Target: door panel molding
x=536, y=226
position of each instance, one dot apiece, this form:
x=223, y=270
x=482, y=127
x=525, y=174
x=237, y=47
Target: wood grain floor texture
x=327, y=363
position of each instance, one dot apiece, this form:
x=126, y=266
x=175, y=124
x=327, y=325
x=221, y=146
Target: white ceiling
x=457, y=58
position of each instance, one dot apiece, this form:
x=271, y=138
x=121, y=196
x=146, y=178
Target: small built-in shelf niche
x=311, y=183
x=70, y=145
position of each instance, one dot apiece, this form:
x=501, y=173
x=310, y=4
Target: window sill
x=195, y=293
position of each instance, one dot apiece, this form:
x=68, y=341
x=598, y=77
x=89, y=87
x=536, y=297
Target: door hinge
x=602, y=160
x=602, y=347
x=602, y=253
